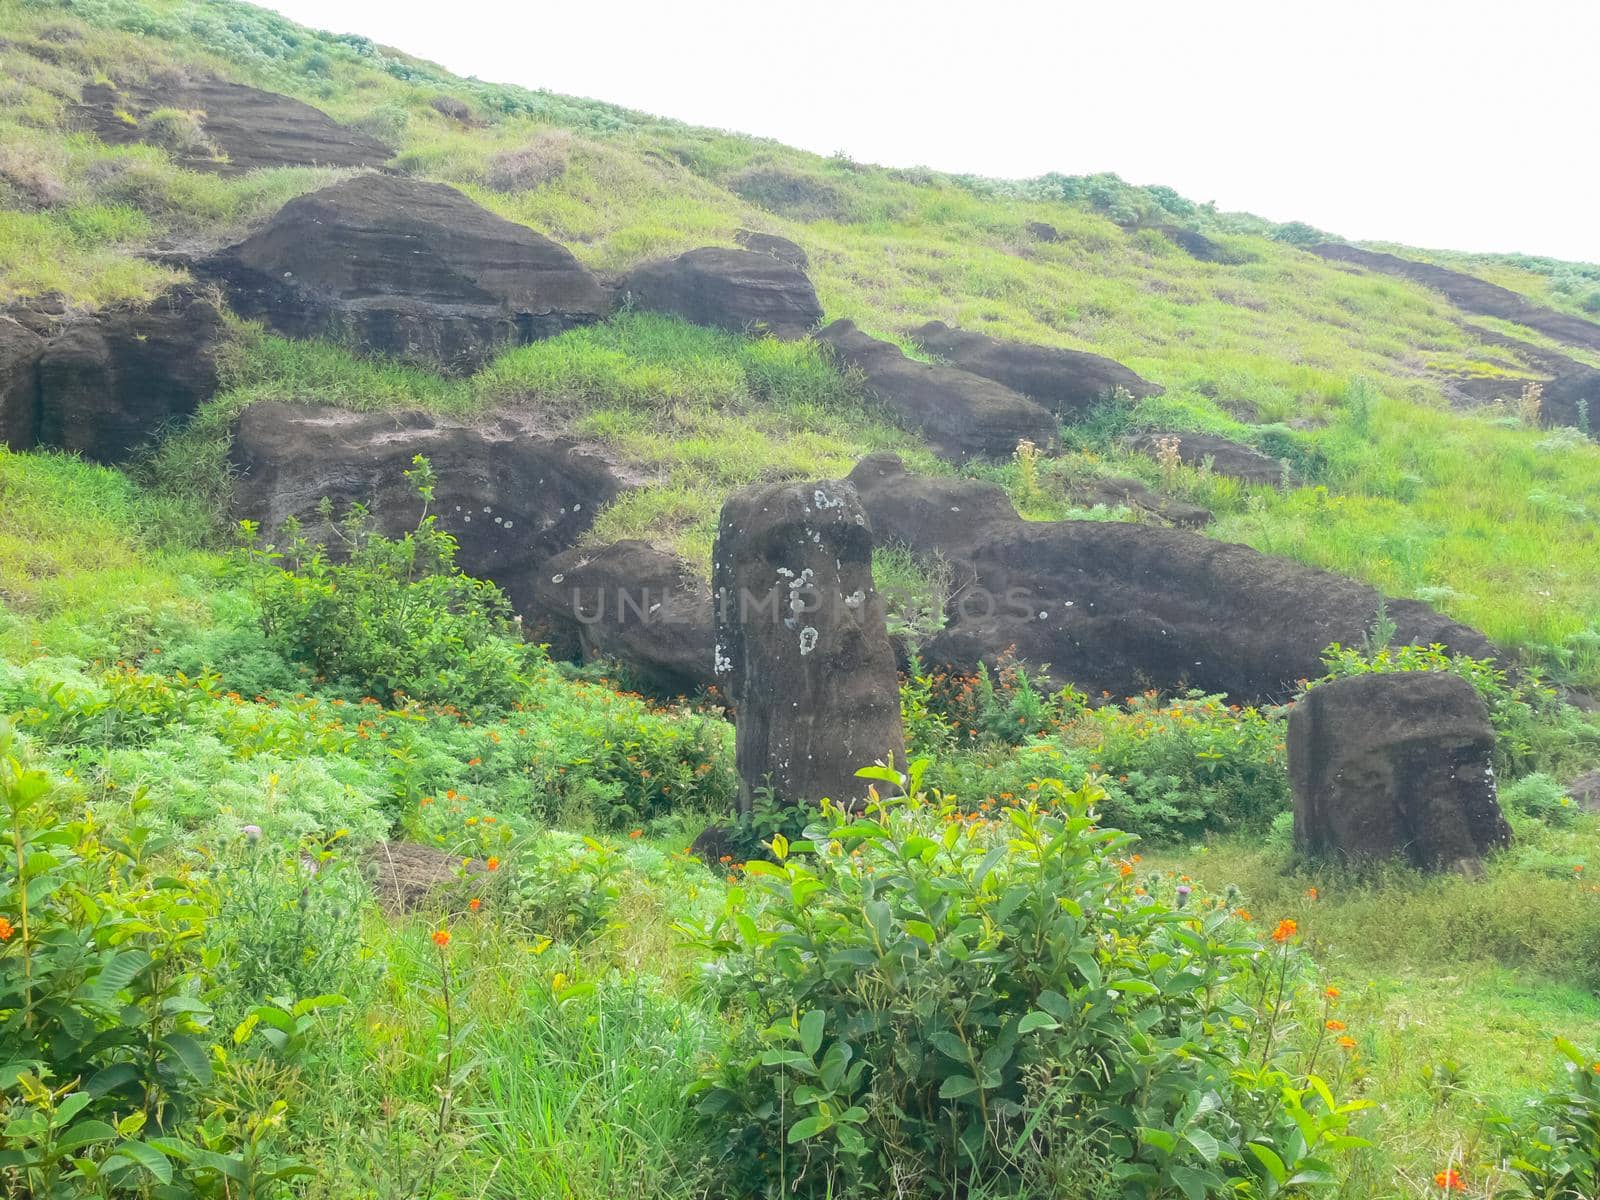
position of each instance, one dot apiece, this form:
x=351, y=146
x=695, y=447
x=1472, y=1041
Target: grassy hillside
x=1394, y=479
x=585, y=1009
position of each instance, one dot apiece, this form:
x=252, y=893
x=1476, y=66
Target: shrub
x=1170, y=769
x=396, y=617
x=178, y=131
x=539, y=162
x=451, y=106
x=1554, y=1148
x=1541, y=796
x=288, y=919
x=103, y=1015
x=1177, y=769
x=938, y=1006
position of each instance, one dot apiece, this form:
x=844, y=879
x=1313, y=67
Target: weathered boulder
x=1470, y=294
x=408, y=269
x=20, y=350
x=1585, y=791
x=1118, y=491
x=240, y=128
x=781, y=248
x=1223, y=456
x=111, y=381
x=1120, y=607
x=512, y=495
x=801, y=642
x=631, y=602
x=737, y=290
x=962, y=415
x=1067, y=382
x=1395, y=766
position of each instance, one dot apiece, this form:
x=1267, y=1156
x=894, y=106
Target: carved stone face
x=1396, y=766
x=801, y=640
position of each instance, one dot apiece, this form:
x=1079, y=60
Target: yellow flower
x=558, y=981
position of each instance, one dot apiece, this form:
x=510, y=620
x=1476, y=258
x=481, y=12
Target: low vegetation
x=1073, y=952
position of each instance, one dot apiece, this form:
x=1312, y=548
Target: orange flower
x=1243, y=914
x=637, y=833
x=6, y=930
x=1311, y=893
x=1286, y=929
x=1125, y=869
x=441, y=938
x=1331, y=993
x=475, y=904
x=1449, y=1180
x=493, y=864
x=1349, y=1043
x=424, y=802
x=1335, y=1026
x=726, y=858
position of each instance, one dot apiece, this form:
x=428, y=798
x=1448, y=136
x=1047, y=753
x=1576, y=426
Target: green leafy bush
x=1554, y=1148
x=104, y=1016
x=940, y=1006
x=396, y=616
x=1170, y=769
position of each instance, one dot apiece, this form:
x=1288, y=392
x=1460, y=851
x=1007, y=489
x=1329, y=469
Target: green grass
x=582, y=1046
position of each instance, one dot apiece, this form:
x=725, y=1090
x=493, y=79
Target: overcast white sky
x=1465, y=124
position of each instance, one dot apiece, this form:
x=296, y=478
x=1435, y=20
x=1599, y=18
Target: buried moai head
x=1396, y=766
x=801, y=643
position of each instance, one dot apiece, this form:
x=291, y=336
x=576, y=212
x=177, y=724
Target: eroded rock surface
x=780, y=248
x=512, y=495
x=407, y=269
x=961, y=415
x=20, y=350
x=1120, y=607
x=111, y=381
x=1118, y=491
x=246, y=127
x=1469, y=293
x=1067, y=382
x=737, y=290
x=801, y=643
x=1221, y=455
x=631, y=602
x=1396, y=766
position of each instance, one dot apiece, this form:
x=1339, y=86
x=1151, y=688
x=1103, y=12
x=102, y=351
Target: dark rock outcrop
x=1571, y=389
x=961, y=414
x=737, y=290
x=109, y=382
x=1195, y=245
x=781, y=248
x=1067, y=382
x=1120, y=607
x=1470, y=294
x=801, y=642
x=510, y=494
x=246, y=128
x=1225, y=457
x=632, y=602
x=1396, y=766
x=1118, y=491
x=408, y=269
x=20, y=350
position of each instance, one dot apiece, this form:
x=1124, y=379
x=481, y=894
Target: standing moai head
x=801, y=643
